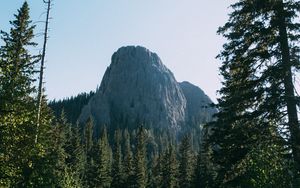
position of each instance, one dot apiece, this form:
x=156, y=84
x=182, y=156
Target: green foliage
x=71, y=106
x=117, y=165
x=140, y=162
x=88, y=139
x=169, y=168
x=103, y=161
x=128, y=161
x=244, y=147
x=156, y=178
x=185, y=162
x=256, y=93
x=203, y=175
x=17, y=107
x=75, y=156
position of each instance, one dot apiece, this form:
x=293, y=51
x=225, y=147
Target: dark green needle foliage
x=257, y=98
x=170, y=168
x=185, y=162
x=17, y=106
x=140, y=160
x=128, y=161
x=117, y=165
x=103, y=161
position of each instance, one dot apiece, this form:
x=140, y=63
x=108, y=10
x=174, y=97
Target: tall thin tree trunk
x=40, y=88
x=289, y=89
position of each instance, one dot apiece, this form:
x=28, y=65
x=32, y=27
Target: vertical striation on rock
x=137, y=88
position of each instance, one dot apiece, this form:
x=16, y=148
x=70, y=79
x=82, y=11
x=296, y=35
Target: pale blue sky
x=84, y=35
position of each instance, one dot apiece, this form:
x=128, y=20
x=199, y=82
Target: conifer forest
x=170, y=136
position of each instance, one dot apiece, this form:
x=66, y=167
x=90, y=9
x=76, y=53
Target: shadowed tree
x=257, y=97
x=117, y=165
x=140, y=163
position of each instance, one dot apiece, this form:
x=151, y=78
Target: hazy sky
x=84, y=35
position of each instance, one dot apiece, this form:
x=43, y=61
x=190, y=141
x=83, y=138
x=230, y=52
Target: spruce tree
x=17, y=105
x=48, y=156
x=117, y=165
x=257, y=97
x=75, y=159
x=157, y=170
x=103, y=161
x=128, y=161
x=49, y=169
x=140, y=162
x=17, y=64
x=185, y=162
x=88, y=139
x=203, y=172
x=90, y=169
x=170, y=168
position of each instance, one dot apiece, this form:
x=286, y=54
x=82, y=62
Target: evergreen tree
x=47, y=157
x=203, y=172
x=258, y=88
x=90, y=169
x=185, y=162
x=128, y=161
x=88, y=139
x=103, y=161
x=140, y=163
x=156, y=178
x=59, y=154
x=17, y=64
x=117, y=166
x=75, y=159
x=17, y=106
x=72, y=106
x=170, y=168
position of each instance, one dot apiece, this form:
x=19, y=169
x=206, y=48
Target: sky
x=85, y=34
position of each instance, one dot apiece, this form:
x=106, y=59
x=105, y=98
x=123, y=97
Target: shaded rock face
x=198, y=108
x=137, y=87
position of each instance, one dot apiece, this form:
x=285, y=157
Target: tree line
x=66, y=155
x=254, y=140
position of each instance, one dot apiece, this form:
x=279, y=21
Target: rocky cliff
x=199, y=106
x=137, y=88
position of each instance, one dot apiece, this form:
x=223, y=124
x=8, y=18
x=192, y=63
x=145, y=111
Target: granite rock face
x=137, y=87
x=199, y=108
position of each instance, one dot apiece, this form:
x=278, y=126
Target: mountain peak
x=138, y=89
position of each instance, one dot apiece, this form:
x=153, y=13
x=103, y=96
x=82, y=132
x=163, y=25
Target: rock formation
x=199, y=105
x=138, y=88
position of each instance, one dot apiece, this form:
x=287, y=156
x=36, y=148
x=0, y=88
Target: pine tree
x=117, y=166
x=258, y=87
x=140, y=162
x=185, y=162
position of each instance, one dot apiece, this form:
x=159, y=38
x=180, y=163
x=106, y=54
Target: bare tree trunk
x=290, y=99
x=40, y=87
